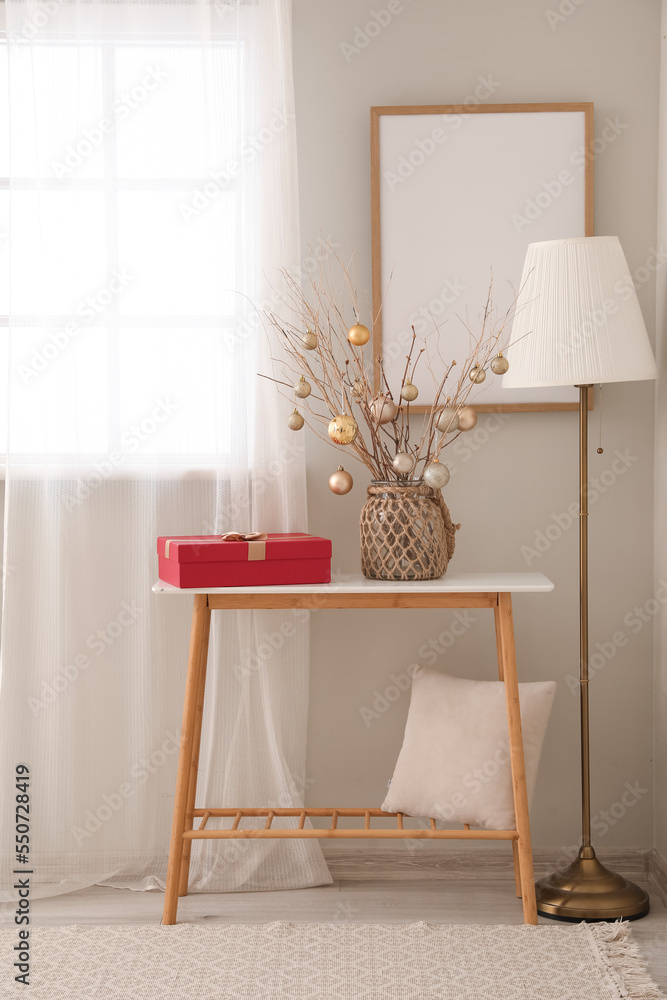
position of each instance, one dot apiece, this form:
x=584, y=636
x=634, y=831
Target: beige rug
x=346, y=961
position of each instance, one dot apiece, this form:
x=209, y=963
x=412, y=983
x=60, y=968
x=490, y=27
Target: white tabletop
x=457, y=583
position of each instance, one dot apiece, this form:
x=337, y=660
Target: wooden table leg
x=515, y=846
x=194, y=759
x=200, y=613
x=507, y=661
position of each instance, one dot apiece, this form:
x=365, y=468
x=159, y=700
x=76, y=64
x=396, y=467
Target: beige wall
x=524, y=470
x=661, y=488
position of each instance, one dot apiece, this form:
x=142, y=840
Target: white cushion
x=454, y=764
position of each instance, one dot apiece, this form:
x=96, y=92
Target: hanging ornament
x=448, y=420
x=467, y=418
x=477, y=375
x=409, y=391
x=343, y=429
x=358, y=334
x=436, y=475
x=295, y=421
x=384, y=409
x=340, y=482
x=403, y=463
x=358, y=388
x=500, y=364
x=303, y=388
x=309, y=340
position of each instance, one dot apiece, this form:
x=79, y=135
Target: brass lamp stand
x=586, y=890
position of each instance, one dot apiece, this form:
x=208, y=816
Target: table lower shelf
x=269, y=832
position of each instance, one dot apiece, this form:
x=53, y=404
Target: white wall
x=524, y=470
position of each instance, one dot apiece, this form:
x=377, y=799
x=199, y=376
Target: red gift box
x=212, y=561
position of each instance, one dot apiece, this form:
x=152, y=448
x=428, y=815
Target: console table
x=465, y=590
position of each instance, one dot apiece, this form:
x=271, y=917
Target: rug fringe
x=623, y=960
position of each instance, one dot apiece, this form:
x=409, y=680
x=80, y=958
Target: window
x=129, y=278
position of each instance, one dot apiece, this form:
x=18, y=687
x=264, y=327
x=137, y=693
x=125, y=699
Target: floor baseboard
x=485, y=864
x=658, y=875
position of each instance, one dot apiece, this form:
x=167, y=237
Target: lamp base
x=589, y=891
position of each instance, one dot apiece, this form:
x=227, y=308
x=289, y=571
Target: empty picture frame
x=458, y=193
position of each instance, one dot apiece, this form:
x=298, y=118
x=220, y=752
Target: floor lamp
x=578, y=322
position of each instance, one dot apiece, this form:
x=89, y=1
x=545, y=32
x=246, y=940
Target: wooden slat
x=237, y=820
x=334, y=819
x=433, y=824
x=357, y=600
x=302, y=818
x=345, y=833
x=205, y=819
x=269, y=820
x=399, y=821
x=367, y=820
x=297, y=811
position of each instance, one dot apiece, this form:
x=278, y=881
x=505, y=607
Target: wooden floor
x=374, y=901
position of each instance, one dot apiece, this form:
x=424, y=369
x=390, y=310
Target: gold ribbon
x=256, y=542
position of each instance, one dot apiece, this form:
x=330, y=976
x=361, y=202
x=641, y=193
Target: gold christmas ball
x=477, y=375
x=500, y=365
x=340, y=482
x=436, y=475
x=448, y=420
x=409, y=391
x=309, y=340
x=384, y=409
x=343, y=429
x=295, y=421
x=403, y=463
x=467, y=418
x=358, y=389
x=303, y=388
x=358, y=334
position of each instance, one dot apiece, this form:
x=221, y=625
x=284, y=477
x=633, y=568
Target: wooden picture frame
x=460, y=177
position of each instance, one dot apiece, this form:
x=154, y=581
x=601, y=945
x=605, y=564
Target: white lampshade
x=577, y=319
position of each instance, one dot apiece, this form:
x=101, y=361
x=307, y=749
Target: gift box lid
x=212, y=548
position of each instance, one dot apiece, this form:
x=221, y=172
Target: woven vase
x=406, y=532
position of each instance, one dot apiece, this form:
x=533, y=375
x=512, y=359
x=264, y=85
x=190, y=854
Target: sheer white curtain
x=151, y=197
